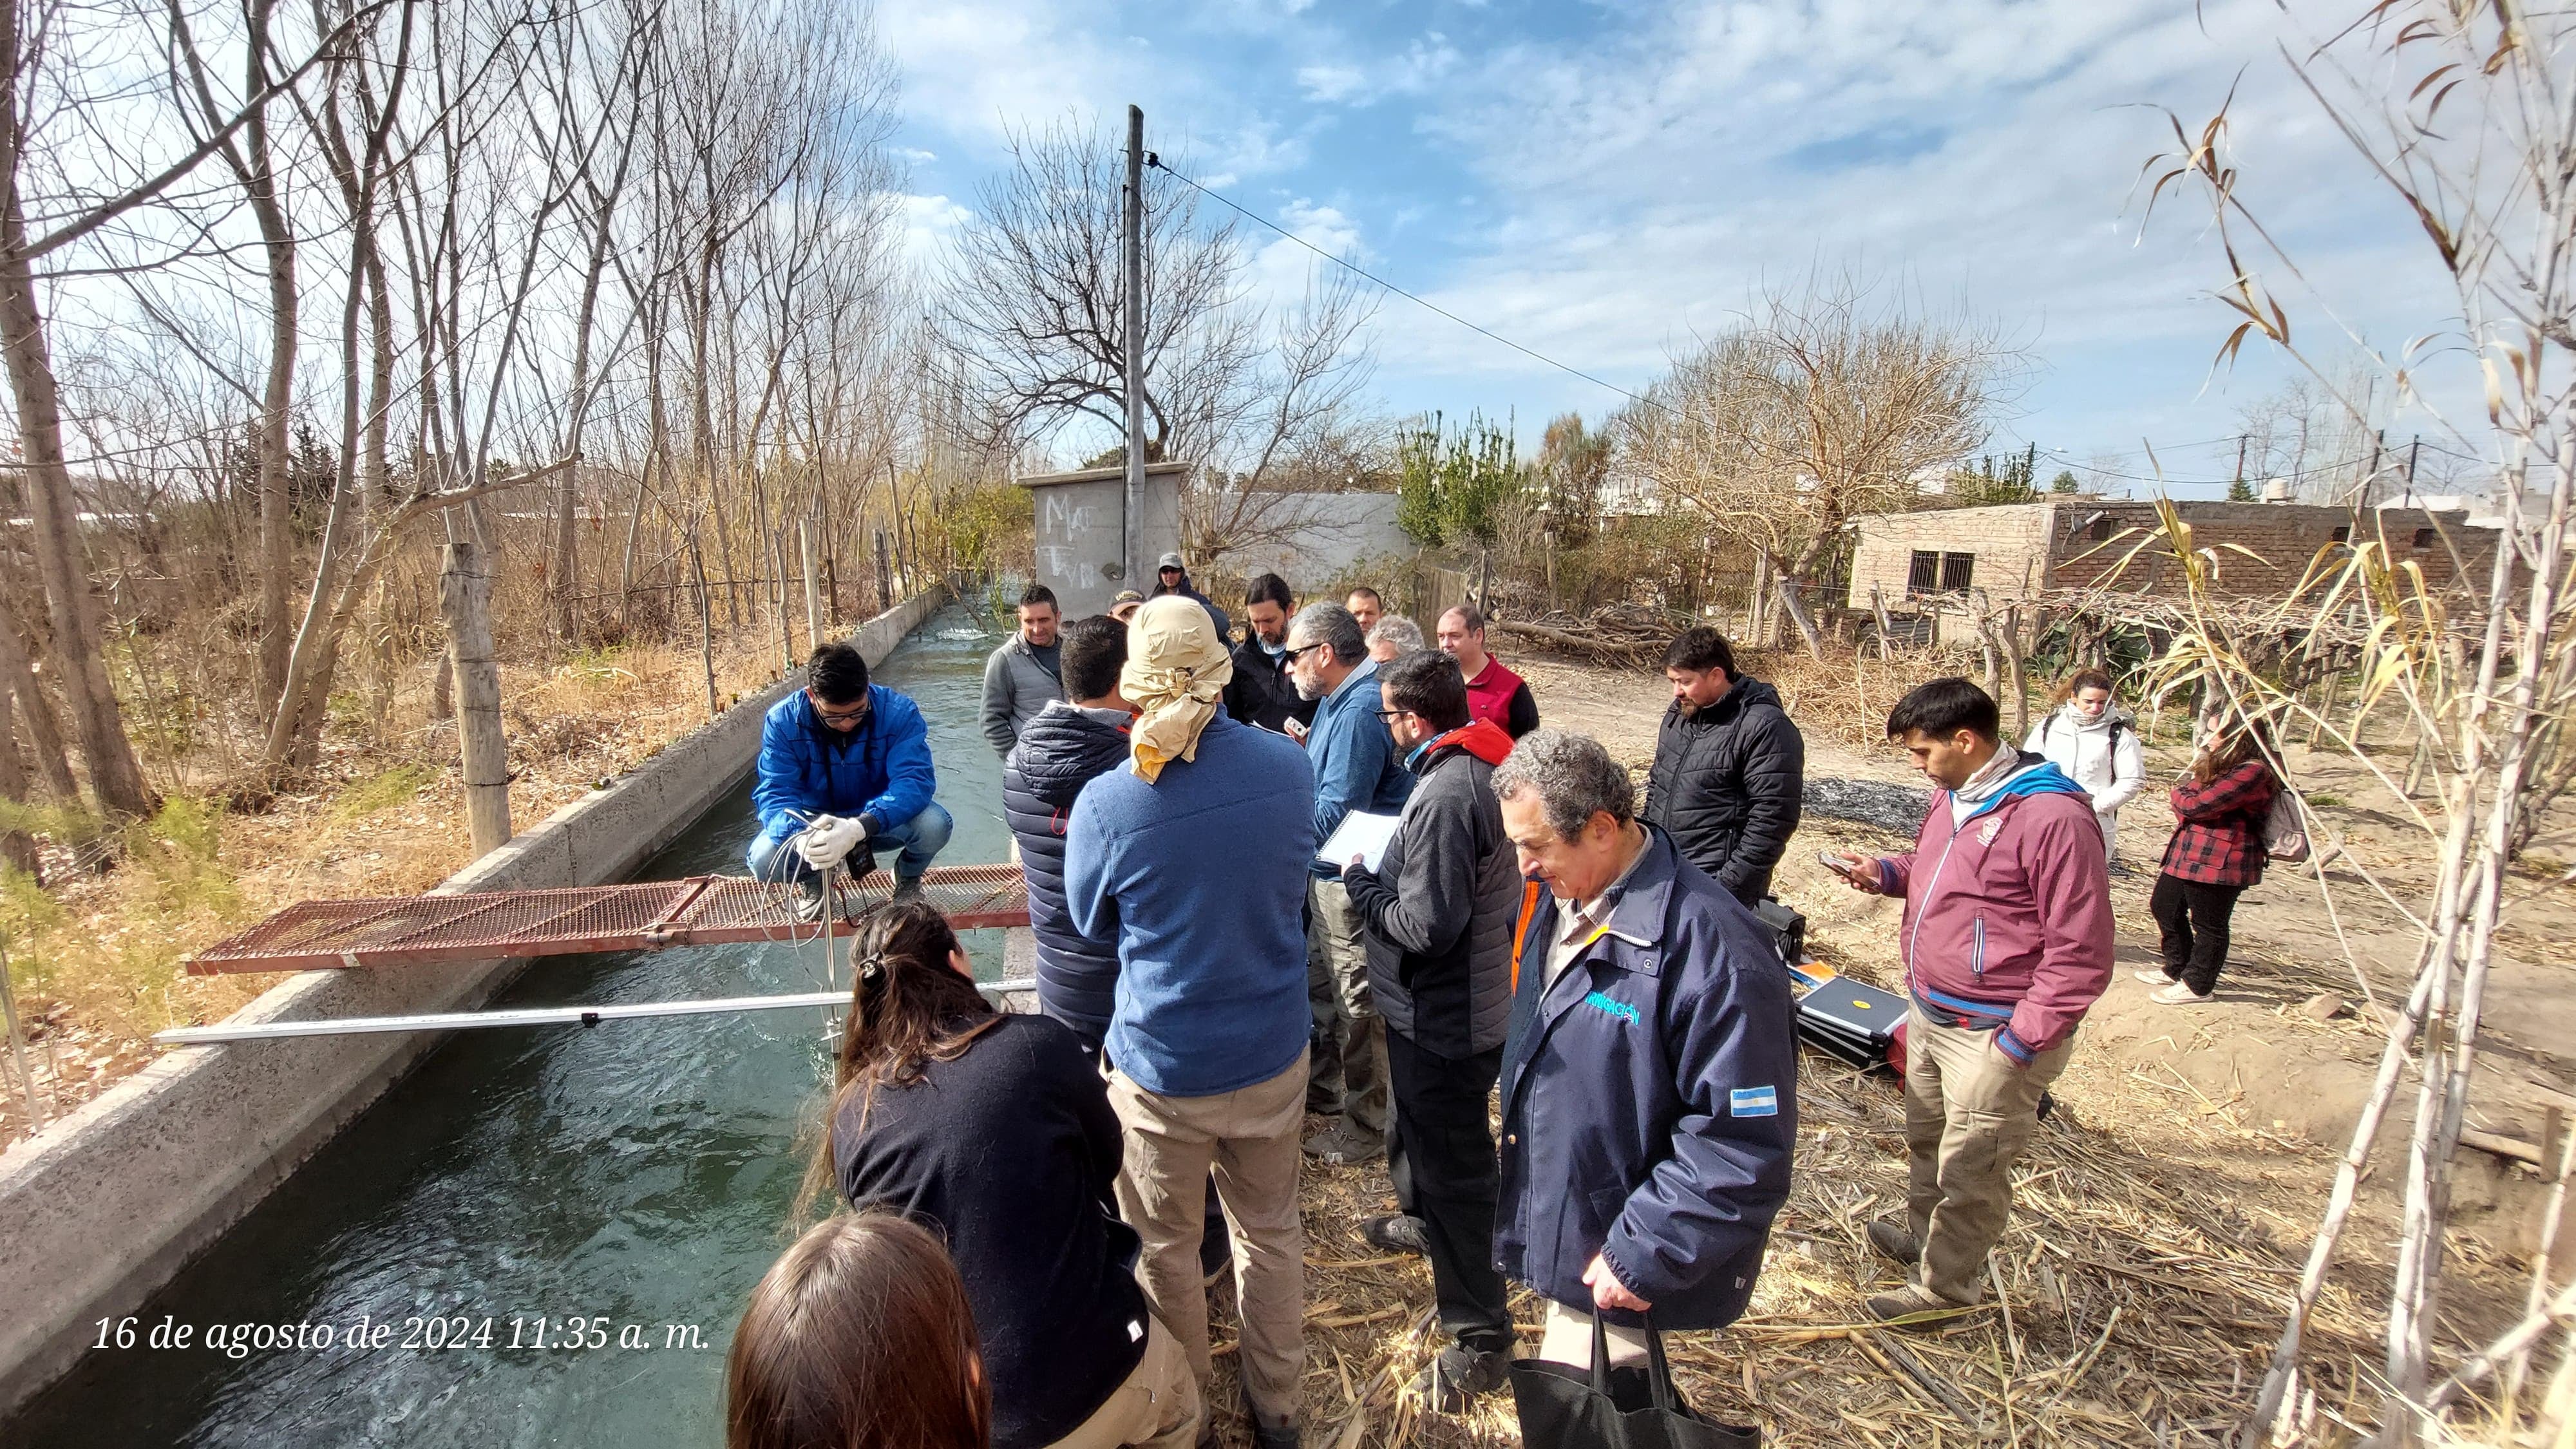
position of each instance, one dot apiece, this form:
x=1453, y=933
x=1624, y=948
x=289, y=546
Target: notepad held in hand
x=1362, y=834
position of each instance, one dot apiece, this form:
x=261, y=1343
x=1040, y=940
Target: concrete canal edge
x=104, y=1207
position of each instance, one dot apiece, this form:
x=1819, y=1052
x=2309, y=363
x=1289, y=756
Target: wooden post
x=885, y=576
x=18, y=1040
x=1878, y=608
x=706, y=623
x=813, y=589
x=465, y=599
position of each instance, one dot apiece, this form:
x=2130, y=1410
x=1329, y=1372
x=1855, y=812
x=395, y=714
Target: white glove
x=829, y=841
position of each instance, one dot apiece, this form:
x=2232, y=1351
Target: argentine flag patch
x=1753, y=1102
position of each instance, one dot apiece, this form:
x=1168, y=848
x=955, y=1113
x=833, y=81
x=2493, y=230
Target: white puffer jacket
x=2102, y=755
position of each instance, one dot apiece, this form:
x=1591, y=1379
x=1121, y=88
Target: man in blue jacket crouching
x=1650, y=1078
x=845, y=768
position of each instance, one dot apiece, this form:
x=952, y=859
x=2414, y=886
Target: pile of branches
x=1620, y=633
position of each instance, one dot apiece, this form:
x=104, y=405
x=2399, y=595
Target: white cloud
x=1646, y=185
x=930, y=227
x=1330, y=83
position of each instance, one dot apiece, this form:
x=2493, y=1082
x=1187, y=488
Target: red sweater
x=1499, y=695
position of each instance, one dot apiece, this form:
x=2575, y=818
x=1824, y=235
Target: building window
x=2342, y=535
x=2425, y=538
x=2102, y=529
x=1928, y=572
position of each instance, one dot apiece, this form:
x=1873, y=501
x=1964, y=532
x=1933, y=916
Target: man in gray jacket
x=1023, y=674
x=1437, y=919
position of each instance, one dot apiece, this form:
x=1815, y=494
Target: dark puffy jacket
x=1261, y=693
x=1650, y=1099
x=1439, y=910
x=1060, y=751
x=1726, y=784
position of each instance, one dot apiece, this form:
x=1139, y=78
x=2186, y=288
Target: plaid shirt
x=2219, y=840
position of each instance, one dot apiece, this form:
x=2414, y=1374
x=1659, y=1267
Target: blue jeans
x=919, y=840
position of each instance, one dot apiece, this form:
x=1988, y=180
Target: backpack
x=2285, y=831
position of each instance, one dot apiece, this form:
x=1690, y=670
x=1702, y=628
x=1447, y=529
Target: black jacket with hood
x=1060, y=751
x=1726, y=783
x=1438, y=912
x=1261, y=693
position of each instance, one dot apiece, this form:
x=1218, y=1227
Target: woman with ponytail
x=995, y=1132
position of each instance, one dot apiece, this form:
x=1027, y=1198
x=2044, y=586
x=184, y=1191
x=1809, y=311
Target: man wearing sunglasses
x=845, y=770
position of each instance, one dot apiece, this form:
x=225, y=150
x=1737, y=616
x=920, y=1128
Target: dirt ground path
x=2161, y=1218
x=2256, y=1056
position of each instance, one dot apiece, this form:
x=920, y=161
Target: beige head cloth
x=1176, y=672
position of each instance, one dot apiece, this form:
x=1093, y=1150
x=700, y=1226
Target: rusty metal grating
x=639, y=916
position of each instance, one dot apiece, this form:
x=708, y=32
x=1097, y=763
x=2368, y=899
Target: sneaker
x=1894, y=1243
x=2153, y=975
x=1345, y=1146
x=1460, y=1375
x=809, y=900
x=906, y=888
x=2177, y=994
x=1901, y=1308
x=1396, y=1233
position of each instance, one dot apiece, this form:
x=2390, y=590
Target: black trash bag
x=1564, y=1407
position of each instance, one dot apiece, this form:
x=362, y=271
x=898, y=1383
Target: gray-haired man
x=1356, y=768
x=1650, y=1079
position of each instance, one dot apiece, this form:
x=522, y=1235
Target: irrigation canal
x=533, y=1202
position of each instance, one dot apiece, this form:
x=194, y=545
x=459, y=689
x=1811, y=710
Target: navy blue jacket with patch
x=1059, y=752
x=1649, y=1099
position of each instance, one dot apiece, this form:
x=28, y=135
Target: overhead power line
x=1156, y=162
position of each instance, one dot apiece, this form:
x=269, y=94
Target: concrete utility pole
x=2240, y=458
x=465, y=598
x=2412, y=449
x=1131, y=237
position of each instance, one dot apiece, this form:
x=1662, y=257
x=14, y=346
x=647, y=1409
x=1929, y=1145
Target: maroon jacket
x=2219, y=837
x=2008, y=915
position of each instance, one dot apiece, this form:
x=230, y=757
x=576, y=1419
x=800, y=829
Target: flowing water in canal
x=633, y=1175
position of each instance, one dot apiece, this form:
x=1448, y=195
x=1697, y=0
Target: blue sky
x=1602, y=181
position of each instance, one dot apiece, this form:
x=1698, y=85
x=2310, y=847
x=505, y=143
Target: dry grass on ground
x=95, y=958
x=2146, y=1272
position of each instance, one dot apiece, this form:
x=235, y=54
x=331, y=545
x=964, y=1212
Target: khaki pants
x=1969, y=1112
x=1350, y=1037
x=1249, y=1138
x=1157, y=1408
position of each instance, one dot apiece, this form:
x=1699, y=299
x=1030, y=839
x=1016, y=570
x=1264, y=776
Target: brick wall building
x=2013, y=550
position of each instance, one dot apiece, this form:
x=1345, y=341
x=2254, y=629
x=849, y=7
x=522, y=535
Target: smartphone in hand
x=1857, y=875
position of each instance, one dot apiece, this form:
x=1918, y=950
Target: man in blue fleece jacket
x=1192, y=858
x=1357, y=767
x=845, y=769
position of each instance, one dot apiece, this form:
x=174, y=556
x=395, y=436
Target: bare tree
x=2489, y=183
x=1820, y=407
x=1034, y=299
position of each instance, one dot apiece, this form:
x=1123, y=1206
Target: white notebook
x=1362, y=834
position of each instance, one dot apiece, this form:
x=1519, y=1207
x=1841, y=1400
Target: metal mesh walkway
x=639, y=916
